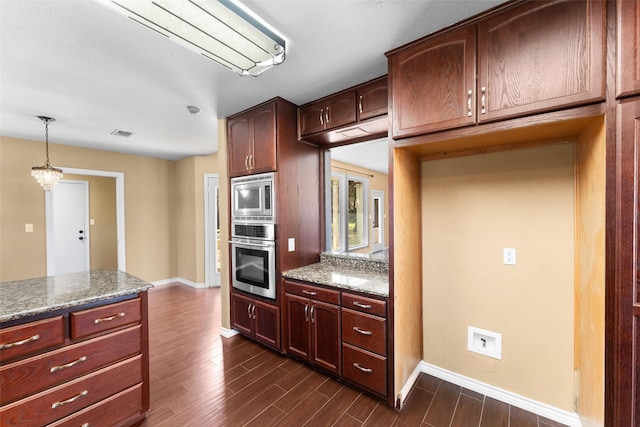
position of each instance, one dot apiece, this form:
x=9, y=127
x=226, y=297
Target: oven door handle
x=257, y=245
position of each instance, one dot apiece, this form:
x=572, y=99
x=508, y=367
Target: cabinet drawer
x=30, y=338
x=313, y=292
x=109, y=412
x=364, y=304
x=71, y=397
x=364, y=368
x=363, y=330
x=99, y=319
x=23, y=378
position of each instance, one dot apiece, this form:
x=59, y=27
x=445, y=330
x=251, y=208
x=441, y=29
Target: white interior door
x=70, y=209
x=212, y=263
x=377, y=212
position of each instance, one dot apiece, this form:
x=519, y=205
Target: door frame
x=378, y=194
x=207, y=228
x=120, y=228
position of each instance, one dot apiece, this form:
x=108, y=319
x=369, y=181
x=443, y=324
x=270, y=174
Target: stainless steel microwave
x=253, y=198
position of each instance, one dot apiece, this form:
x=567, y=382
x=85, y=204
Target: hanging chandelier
x=47, y=175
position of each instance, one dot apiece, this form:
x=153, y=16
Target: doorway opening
x=120, y=222
x=213, y=262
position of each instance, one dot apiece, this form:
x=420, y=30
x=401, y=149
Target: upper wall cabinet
x=541, y=56
x=533, y=57
x=252, y=140
x=353, y=115
x=628, y=72
x=433, y=83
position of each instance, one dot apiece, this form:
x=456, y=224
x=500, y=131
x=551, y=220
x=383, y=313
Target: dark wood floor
x=201, y=379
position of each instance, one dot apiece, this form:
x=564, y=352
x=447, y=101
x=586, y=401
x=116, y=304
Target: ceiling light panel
x=218, y=30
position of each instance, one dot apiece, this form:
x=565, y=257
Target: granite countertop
x=30, y=297
x=357, y=273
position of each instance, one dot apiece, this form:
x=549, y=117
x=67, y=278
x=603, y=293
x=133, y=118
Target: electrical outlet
x=509, y=256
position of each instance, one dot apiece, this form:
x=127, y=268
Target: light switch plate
x=292, y=244
x=28, y=228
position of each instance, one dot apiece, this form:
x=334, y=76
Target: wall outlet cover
x=484, y=342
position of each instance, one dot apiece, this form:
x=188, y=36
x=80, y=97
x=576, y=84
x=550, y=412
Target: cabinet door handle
x=306, y=312
x=251, y=161
x=108, y=319
x=326, y=115
x=360, y=104
x=68, y=365
x=311, y=315
x=246, y=162
x=483, y=99
x=249, y=311
x=253, y=311
x=322, y=116
x=360, y=331
x=73, y=399
x=17, y=343
x=469, y=112
x=306, y=292
x=365, y=370
x=357, y=304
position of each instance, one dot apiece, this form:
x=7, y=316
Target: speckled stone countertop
x=29, y=297
x=362, y=273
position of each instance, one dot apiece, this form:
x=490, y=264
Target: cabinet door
x=373, y=99
x=242, y=316
x=239, y=144
x=325, y=332
x=623, y=372
x=267, y=323
x=340, y=109
x=541, y=56
x=264, y=139
x=628, y=72
x=298, y=342
x=311, y=118
x=433, y=84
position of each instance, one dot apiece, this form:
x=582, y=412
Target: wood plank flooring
x=200, y=379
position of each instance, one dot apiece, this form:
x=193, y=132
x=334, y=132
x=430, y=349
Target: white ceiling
x=95, y=71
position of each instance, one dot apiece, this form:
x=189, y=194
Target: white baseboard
x=228, y=333
x=569, y=418
x=179, y=280
x=402, y=396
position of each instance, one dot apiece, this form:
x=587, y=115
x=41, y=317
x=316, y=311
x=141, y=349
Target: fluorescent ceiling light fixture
x=219, y=30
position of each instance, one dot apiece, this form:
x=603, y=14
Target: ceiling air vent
x=123, y=133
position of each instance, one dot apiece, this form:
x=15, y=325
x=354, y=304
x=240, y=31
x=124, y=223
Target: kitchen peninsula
x=74, y=349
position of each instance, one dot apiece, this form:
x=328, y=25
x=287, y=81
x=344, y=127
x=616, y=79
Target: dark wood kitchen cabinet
x=352, y=115
x=328, y=113
x=433, y=83
x=628, y=61
x=252, y=140
x=622, y=375
x=257, y=319
x=82, y=366
x=532, y=57
x=313, y=325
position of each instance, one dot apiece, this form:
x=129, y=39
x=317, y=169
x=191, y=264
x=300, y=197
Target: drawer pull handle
x=68, y=365
x=360, y=331
x=304, y=291
x=108, y=319
x=365, y=370
x=85, y=425
x=73, y=399
x=357, y=304
x=17, y=343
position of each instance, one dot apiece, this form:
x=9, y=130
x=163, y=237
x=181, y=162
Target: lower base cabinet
x=95, y=372
x=256, y=319
x=342, y=333
x=313, y=325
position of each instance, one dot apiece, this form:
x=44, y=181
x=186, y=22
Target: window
x=349, y=225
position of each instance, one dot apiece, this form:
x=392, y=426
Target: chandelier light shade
x=47, y=175
x=219, y=30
